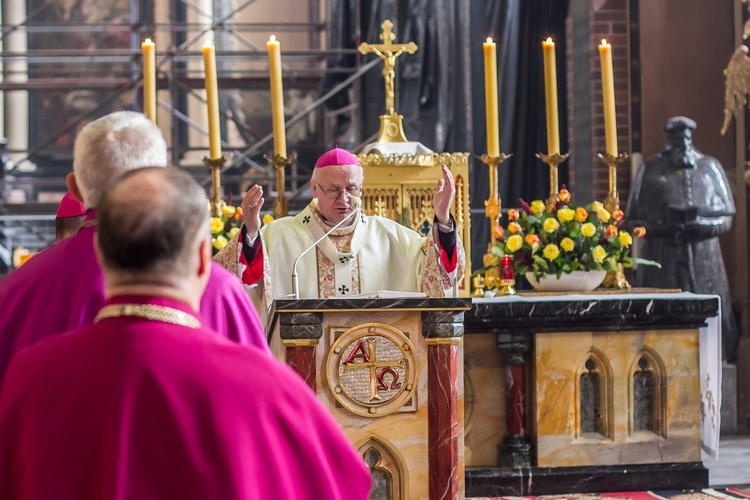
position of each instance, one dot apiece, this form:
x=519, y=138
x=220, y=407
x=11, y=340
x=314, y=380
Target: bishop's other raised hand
x=442, y=200
x=251, y=206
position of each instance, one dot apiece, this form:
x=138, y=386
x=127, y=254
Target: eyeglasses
x=333, y=194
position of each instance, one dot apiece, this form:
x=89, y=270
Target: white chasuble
x=337, y=254
x=374, y=253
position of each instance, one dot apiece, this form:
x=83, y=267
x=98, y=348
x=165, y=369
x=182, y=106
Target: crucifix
x=388, y=52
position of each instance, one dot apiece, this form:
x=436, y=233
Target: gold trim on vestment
x=151, y=312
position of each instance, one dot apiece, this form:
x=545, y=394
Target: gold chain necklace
x=149, y=311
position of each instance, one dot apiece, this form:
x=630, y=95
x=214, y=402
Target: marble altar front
x=590, y=392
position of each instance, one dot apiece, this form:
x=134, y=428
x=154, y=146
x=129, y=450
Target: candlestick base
x=507, y=287
x=216, y=203
x=478, y=283
x=616, y=279
x=553, y=161
x=280, y=205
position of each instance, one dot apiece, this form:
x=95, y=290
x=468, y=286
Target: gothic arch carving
x=647, y=393
x=594, y=412
x=388, y=468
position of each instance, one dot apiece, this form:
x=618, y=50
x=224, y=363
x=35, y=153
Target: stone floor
x=733, y=466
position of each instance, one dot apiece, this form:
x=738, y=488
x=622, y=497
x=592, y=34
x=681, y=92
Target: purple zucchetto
x=70, y=207
x=336, y=156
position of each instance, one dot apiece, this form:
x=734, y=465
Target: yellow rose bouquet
x=565, y=239
x=225, y=227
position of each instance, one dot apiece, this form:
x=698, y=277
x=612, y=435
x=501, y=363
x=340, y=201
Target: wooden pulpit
x=390, y=370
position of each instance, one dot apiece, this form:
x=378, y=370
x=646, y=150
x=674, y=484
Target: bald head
x=150, y=225
x=112, y=145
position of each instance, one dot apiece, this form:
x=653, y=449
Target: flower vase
x=575, y=281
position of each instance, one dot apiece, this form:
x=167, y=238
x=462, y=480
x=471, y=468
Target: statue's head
x=680, y=142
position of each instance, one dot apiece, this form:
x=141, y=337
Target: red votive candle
x=506, y=268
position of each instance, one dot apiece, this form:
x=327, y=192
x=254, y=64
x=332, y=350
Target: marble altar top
x=632, y=310
x=393, y=302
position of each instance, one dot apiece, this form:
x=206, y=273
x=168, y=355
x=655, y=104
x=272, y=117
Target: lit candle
x=149, y=79
x=608, y=95
x=277, y=96
x=550, y=94
x=212, y=99
x=490, y=98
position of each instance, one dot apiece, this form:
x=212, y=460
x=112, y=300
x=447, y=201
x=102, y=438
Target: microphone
x=356, y=203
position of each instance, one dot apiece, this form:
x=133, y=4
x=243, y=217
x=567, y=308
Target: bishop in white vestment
x=367, y=254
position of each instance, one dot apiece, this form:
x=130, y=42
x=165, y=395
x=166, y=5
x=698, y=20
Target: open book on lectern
x=388, y=294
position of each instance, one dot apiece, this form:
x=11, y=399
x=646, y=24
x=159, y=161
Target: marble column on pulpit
x=300, y=334
x=443, y=331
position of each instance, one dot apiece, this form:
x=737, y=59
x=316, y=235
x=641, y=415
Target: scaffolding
x=67, y=62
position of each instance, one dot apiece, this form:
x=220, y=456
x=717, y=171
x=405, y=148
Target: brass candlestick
x=492, y=207
x=493, y=204
x=280, y=205
x=553, y=161
x=612, y=202
x=614, y=279
x=216, y=202
x=478, y=282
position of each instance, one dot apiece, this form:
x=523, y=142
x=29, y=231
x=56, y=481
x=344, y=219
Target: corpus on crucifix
x=388, y=52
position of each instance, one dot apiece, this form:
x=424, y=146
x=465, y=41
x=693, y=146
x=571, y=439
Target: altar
x=579, y=393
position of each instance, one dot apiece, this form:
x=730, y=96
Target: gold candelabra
x=280, y=205
x=614, y=279
x=553, y=161
x=216, y=202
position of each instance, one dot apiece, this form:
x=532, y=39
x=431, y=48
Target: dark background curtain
x=440, y=89
x=518, y=27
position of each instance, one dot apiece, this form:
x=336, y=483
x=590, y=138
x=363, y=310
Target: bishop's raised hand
x=445, y=193
x=251, y=206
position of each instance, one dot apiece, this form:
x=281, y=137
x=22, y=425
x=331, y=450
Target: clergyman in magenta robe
x=129, y=409
x=146, y=402
x=61, y=288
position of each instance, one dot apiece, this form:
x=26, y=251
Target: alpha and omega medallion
x=372, y=370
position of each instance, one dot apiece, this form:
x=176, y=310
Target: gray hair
x=112, y=145
x=149, y=222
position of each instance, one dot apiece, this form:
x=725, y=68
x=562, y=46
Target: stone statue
x=682, y=198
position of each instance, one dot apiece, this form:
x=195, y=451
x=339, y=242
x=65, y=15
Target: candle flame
x=208, y=43
x=549, y=40
x=272, y=39
x=489, y=39
x=148, y=40
x=604, y=41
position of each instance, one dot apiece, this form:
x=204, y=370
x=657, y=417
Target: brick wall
x=606, y=19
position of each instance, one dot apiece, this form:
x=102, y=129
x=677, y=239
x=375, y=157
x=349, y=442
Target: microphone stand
x=295, y=276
